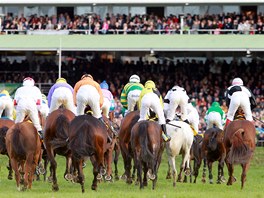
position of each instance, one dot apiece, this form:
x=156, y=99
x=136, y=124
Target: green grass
x=253, y=186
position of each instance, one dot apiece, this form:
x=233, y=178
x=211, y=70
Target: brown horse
x=147, y=146
x=239, y=141
x=125, y=144
x=5, y=124
x=24, y=149
x=55, y=140
x=213, y=149
x=88, y=138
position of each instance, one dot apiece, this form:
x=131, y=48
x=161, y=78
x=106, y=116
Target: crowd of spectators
x=205, y=82
x=144, y=24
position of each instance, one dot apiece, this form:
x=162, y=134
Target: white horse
x=181, y=142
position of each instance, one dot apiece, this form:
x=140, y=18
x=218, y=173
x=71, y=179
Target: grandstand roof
x=28, y=2
x=132, y=42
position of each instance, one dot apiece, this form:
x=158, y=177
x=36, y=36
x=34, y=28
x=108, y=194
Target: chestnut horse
x=24, y=149
x=5, y=124
x=88, y=138
x=147, y=146
x=55, y=140
x=125, y=144
x=239, y=141
x=213, y=149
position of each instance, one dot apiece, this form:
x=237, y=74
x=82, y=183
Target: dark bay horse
x=213, y=149
x=5, y=124
x=24, y=149
x=88, y=138
x=239, y=141
x=147, y=146
x=55, y=139
x=125, y=144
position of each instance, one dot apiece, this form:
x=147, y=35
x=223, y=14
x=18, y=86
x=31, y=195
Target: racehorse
x=55, y=140
x=239, y=141
x=88, y=138
x=125, y=144
x=147, y=146
x=181, y=141
x=24, y=149
x=213, y=149
x=5, y=124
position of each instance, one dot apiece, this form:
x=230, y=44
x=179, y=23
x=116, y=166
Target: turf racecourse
x=253, y=186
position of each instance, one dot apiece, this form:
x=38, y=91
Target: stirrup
x=165, y=137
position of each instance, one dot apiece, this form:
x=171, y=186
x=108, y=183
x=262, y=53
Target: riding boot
x=40, y=133
x=168, y=120
x=113, y=129
x=109, y=139
x=165, y=137
x=187, y=121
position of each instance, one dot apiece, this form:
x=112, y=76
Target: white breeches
x=193, y=119
x=106, y=107
x=28, y=107
x=151, y=101
x=239, y=99
x=177, y=98
x=88, y=95
x=44, y=110
x=214, y=118
x=62, y=96
x=6, y=104
x=132, y=99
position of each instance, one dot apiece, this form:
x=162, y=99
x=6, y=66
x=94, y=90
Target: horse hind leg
x=245, y=168
x=10, y=170
x=14, y=165
x=210, y=164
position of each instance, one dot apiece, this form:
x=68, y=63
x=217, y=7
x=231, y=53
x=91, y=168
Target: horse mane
x=62, y=128
x=16, y=143
x=240, y=152
x=147, y=156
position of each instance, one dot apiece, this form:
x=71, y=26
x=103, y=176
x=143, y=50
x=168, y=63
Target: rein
x=173, y=125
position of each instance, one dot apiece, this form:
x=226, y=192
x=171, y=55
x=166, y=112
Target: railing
x=112, y=31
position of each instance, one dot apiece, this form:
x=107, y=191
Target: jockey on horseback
x=215, y=116
x=175, y=97
x=193, y=118
x=61, y=93
x=27, y=102
x=130, y=93
x=237, y=96
x=150, y=99
x=6, y=104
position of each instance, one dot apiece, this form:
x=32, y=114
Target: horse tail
x=239, y=152
x=147, y=155
x=83, y=142
x=62, y=128
x=16, y=144
x=3, y=131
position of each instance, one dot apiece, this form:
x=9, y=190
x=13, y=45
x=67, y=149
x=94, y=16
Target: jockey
x=175, y=97
x=150, y=99
x=130, y=93
x=193, y=118
x=6, y=104
x=237, y=96
x=88, y=92
x=27, y=102
x=215, y=115
x=61, y=93
x=108, y=102
x=108, y=98
x=44, y=109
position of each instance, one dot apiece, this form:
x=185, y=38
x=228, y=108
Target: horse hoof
x=41, y=171
x=152, y=176
x=94, y=187
x=108, y=178
x=68, y=177
x=204, y=180
x=218, y=182
x=84, y=165
x=222, y=179
x=55, y=188
x=129, y=181
x=234, y=179
x=123, y=177
x=168, y=177
x=102, y=171
x=10, y=177
x=187, y=172
x=116, y=177
x=99, y=177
